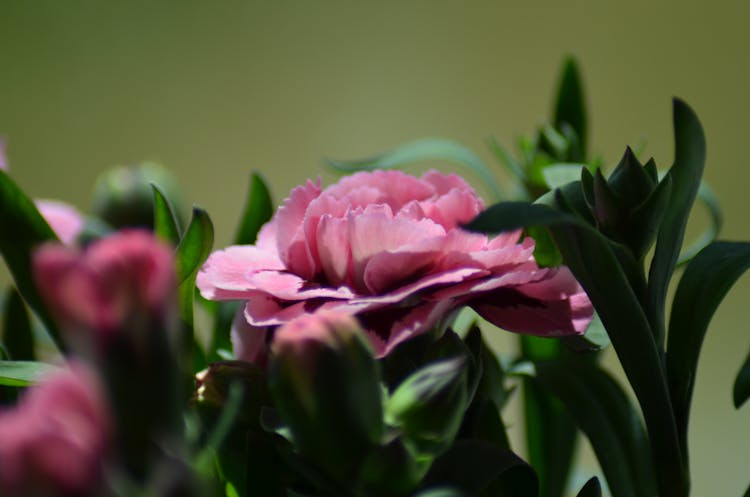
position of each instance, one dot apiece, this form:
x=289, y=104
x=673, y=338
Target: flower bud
x=115, y=302
x=325, y=382
x=123, y=196
x=54, y=441
x=123, y=282
x=429, y=405
x=628, y=206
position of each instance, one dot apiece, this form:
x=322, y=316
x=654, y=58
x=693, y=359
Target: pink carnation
x=388, y=247
x=53, y=442
x=123, y=281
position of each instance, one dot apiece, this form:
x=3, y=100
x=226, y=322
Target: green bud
x=123, y=196
x=325, y=382
x=429, y=405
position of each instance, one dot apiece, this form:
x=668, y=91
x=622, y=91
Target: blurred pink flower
x=388, y=247
x=54, y=441
x=124, y=280
x=3, y=156
x=64, y=219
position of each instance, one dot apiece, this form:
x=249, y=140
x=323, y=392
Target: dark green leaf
x=686, y=172
x=570, y=106
x=508, y=216
x=17, y=334
x=24, y=373
x=195, y=245
x=480, y=468
x=22, y=229
x=603, y=411
x=166, y=226
x=596, y=268
x=705, y=282
x=592, y=488
x=427, y=149
x=550, y=431
x=258, y=210
x=741, y=390
x=591, y=259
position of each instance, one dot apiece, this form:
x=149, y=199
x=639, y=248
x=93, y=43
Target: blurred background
x=214, y=90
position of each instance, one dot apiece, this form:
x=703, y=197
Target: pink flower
x=64, y=219
x=123, y=281
x=54, y=441
x=3, y=156
x=388, y=247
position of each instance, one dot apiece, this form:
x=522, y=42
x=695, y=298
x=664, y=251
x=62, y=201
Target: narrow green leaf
x=166, y=226
x=592, y=488
x=195, y=245
x=603, y=411
x=258, y=210
x=706, y=197
x=686, y=172
x=508, y=216
x=17, y=334
x=24, y=373
x=570, y=106
x=22, y=229
x=426, y=149
x=512, y=165
x=741, y=390
x=190, y=254
x=705, y=282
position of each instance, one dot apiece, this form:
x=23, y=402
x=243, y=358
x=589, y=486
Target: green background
x=216, y=89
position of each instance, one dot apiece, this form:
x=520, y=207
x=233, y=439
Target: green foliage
x=22, y=229
x=17, y=339
x=704, y=284
x=23, y=373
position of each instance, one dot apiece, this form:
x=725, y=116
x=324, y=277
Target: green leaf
x=550, y=431
x=705, y=282
x=592, y=488
x=482, y=469
x=741, y=390
x=195, y=245
x=570, y=106
x=190, y=254
x=603, y=411
x=24, y=373
x=258, y=211
x=686, y=172
x=716, y=219
x=427, y=149
x=591, y=259
x=22, y=229
x=166, y=226
x=508, y=216
x=17, y=334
